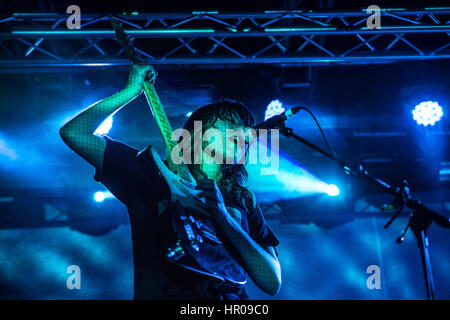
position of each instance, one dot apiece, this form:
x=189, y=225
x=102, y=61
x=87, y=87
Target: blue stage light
x=289, y=180
x=104, y=127
x=274, y=108
x=332, y=190
x=100, y=196
x=188, y=114
x=427, y=113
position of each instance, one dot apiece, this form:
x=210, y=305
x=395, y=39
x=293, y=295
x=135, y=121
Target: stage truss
x=212, y=38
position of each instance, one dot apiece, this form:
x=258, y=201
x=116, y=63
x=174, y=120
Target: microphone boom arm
x=420, y=219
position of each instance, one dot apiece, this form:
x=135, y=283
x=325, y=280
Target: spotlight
x=427, y=113
x=188, y=114
x=104, y=127
x=332, y=190
x=99, y=196
x=284, y=179
x=274, y=108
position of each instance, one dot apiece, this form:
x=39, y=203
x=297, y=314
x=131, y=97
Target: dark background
x=326, y=242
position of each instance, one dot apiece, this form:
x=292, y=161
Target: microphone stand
x=420, y=218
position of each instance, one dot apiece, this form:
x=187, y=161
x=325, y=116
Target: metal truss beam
x=272, y=37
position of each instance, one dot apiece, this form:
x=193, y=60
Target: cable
x=320, y=129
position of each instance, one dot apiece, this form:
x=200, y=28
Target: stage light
x=289, y=179
x=100, y=196
x=332, y=190
x=427, y=113
x=104, y=127
x=188, y=114
x=274, y=108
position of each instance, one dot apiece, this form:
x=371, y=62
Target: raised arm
x=78, y=133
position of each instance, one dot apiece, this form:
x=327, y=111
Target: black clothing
x=153, y=276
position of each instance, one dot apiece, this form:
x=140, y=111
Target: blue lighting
x=288, y=181
x=188, y=114
x=332, y=190
x=100, y=196
x=274, y=108
x=427, y=113
x=104, y=127
x=7, y=151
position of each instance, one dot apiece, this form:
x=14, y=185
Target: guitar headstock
x=126, y=43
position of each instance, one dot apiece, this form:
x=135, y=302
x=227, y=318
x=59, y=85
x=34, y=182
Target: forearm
x=262, y=267
x=91, y=118
x=78, y=133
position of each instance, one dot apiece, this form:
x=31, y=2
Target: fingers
x=142, y=69
x=206, y=184
x=140, y=72
x=209, y=195
x=145, y=68
x=211, y=201
x=208, y=190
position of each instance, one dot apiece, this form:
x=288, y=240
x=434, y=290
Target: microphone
x=278, y=120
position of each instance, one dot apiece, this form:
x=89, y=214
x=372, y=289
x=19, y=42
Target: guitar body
x=188, y=233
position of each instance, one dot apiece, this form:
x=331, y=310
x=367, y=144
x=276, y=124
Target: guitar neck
x=160, y=115
x=166, y=130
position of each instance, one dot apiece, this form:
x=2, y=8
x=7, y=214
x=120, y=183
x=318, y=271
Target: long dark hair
x=234, y=178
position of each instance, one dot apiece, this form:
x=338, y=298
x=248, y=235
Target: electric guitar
x=188, y=234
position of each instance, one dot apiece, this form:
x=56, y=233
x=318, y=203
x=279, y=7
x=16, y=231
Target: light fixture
x=427, y=113
x=274, y=108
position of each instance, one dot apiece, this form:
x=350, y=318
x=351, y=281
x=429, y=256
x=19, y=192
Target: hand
x=213, y=199
x=139, y=72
